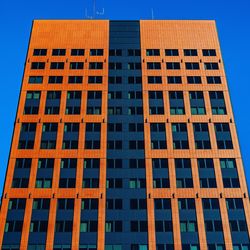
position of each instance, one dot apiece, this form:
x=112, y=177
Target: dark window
x=194, y=79
x=38, y=65
x=58, y=52
x=95, y=79
x=96, y=52
x=53, y=103
x=173, y=65
x=176, y=103
x=201, y=136
x=209, y=52
x=35, y=79
x=134, y=52
x=76, y=65
x=174, y=79
x=192, y=65
x=57, y=65
x=95, y=65
x=223, y=136
x=154, y=65
x=40, y=52
x=115, y=52
x=213, y=79
x=171, y=52
x=32, y=102
x=190, y=52
x=152, y=52
x=197, y=103
x=77, y=52
x=211, y=66
x=75, y=79
x=154, y=79
x=218, y=104
x=55, y=79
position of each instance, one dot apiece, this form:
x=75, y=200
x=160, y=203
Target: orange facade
x=95, y=35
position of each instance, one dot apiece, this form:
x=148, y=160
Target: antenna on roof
x=95, y=12
x=152, y=13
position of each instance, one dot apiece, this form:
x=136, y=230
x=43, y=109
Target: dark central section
x=126, y=210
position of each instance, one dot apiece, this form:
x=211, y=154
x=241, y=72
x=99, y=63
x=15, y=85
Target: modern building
x=124, y=139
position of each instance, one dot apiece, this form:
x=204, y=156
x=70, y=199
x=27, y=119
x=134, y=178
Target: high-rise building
x=124, y=139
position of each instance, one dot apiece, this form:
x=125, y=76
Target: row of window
x=160, y=173
x=129, y=52
x=130, y=79
x=129, y=65
x=93, y=136
x=156, y=103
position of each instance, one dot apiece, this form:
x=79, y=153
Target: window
x=188, y=226
x=115, y=52
x=113, y=183
x=152, y=52
x=90, y=183
x=114, y=163
x=194, y=80
x=38, y=65
x=89, y=204
x=55, y=79
x=162, y=203
x=114, y=144
x=229, y=173
x=115, y=65
x=173, y=65
x=115, y=127
x=156, y=105
x=47, y=163
x=134, y=52
x=92, y=136
x=186, y=204
x=180, y=136
x=63, y=226
x=39, y=52
x=201, y=136
x=136, y=163
x=65, y=204
x=115, y=110
x=43, y=183
x=95, y=79
x=134, y=66
x=68, y=163
x=234, y=204
x=223, y=136
x=192, y=65
x=197, y=103
x=16, y=204
x=190, y=52
x=49, y=136
x=76, y=65
x=113, y=247
x=134, y=80
x=138, y=247
x=135, y=110
x=38, y=226
x=154, y=65
x=114, y=204
x=95, y=65
x=96, y=52
x=57, y=65
x=23, y=163
x=161, y=183
x=41, y=204
x=138, y=145
x=58, y=52
x=209, y=52
x=174, y=79
x=13, y=226
x=138, y=204
x=206, y=173
x=92, y=163
x=73, y=103
x=171, y=52
x=213, y=79
x=113, y=226
x=138, y=226
x=137, y=183
x=20, y=182
x=218, y=104
x=157, y=143
x=163, y=226
x=70, y=137
x=183, y=169
x=77, y=52
x=27, y=136
x=114, y=95
x=53, y=103
x=115, y=79
x=75, y=79
x=32, y=103
x=211, y=66
x=210, y=204
x=176, y=103
x=136, y=127
x=35, y=79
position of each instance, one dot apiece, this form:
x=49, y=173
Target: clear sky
x=233, y=23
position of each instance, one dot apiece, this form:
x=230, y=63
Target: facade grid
x=124, y=139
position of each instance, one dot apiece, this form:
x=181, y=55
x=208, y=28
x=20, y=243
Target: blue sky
x=233, y=25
